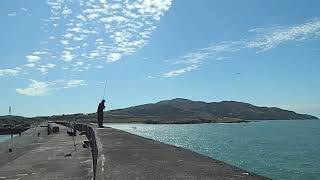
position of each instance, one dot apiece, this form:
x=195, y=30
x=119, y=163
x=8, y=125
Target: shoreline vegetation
x=175, y=111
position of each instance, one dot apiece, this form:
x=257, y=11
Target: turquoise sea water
x=276, y=149
x=4, y=138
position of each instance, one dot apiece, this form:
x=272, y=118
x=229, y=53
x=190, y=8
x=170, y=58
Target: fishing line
x=104, y=91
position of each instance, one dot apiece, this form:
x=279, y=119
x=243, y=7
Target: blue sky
x=57, y=54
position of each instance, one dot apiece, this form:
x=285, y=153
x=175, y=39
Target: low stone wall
x=91, y=135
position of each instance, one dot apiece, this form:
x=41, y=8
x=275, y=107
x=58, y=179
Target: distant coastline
x=175, y=111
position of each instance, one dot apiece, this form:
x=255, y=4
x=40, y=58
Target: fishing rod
x=104, y=91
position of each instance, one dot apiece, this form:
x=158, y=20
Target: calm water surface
x=276, y=149
x=4, y=138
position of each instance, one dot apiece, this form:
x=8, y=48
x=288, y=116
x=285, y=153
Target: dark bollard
x=86, y=144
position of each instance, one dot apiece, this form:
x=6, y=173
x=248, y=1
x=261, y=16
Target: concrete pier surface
x=125, y=156
x=45, y=157
x=113, y=155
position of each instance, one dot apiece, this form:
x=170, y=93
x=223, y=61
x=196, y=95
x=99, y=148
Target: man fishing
x=100, y=113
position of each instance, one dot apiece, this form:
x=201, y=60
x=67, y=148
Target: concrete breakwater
x=114, y=154
x=120, y=155
x=54, y=156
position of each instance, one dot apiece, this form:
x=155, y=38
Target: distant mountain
x=175, y=111
x=186, y=111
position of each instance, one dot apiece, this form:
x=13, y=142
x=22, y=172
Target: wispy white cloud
x=30, y=65
x=213, y=51
x=195, y=59
x=99, y=67
x=33, y=58
x=108, y=30
x=12, y=14
x=44, y=68
x=24, y=9
x=179, y=72
x=81, y=33
x=21, y=11
x=74, y=83
x=39, y=61
x=9, y=72
x=38, y=53
x=36, y=88
x=42, y=88
x=271, y=39
x=77, y=64
x=104, y=30
x=67, y=56
x=266, y=39
x=114, y=57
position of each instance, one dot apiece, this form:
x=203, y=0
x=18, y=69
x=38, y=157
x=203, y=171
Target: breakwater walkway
x=47, y=157
x=128, y=156
x=115, y=155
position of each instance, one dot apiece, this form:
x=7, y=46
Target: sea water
x=275, y=149
x=4, y=138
